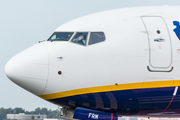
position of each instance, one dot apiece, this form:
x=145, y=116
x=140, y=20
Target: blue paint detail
x=87, y=114
x=177, y=29
x=126, y=102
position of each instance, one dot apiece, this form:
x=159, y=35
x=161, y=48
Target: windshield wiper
x=58, y=40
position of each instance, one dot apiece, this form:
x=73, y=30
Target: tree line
x=43, y=111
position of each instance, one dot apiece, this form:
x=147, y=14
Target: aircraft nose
x=29, y=69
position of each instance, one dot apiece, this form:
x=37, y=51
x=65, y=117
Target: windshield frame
x=72, y=34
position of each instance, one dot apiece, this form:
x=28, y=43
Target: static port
x=59, y=72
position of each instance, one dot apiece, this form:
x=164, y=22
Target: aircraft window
x=158, y=32
x=60, y=36
x=96, y=37
x=80, y=38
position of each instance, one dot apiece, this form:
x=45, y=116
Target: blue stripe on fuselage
x=124, y=102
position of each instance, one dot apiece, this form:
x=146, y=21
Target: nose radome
x=29, y=69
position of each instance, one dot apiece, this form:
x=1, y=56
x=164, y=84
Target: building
x=23, y=116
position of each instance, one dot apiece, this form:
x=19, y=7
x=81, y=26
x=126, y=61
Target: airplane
x=121, y=62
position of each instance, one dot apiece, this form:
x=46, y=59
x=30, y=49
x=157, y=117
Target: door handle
x=159, y=40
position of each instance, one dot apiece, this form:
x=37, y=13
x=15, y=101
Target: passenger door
x=160, y=48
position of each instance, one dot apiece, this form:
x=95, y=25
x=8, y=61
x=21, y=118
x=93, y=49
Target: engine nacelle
x=86, y=114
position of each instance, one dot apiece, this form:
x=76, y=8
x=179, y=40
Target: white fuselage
x=140, y=53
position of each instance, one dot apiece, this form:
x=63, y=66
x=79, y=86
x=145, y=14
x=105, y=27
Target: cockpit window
x=80, y=38
x=60, y=36
x=96, y=37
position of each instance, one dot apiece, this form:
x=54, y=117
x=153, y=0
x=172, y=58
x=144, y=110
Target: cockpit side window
x=96, y=37
x=80, y=38
x=60, y=36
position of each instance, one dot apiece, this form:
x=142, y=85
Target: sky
x=25, y=22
